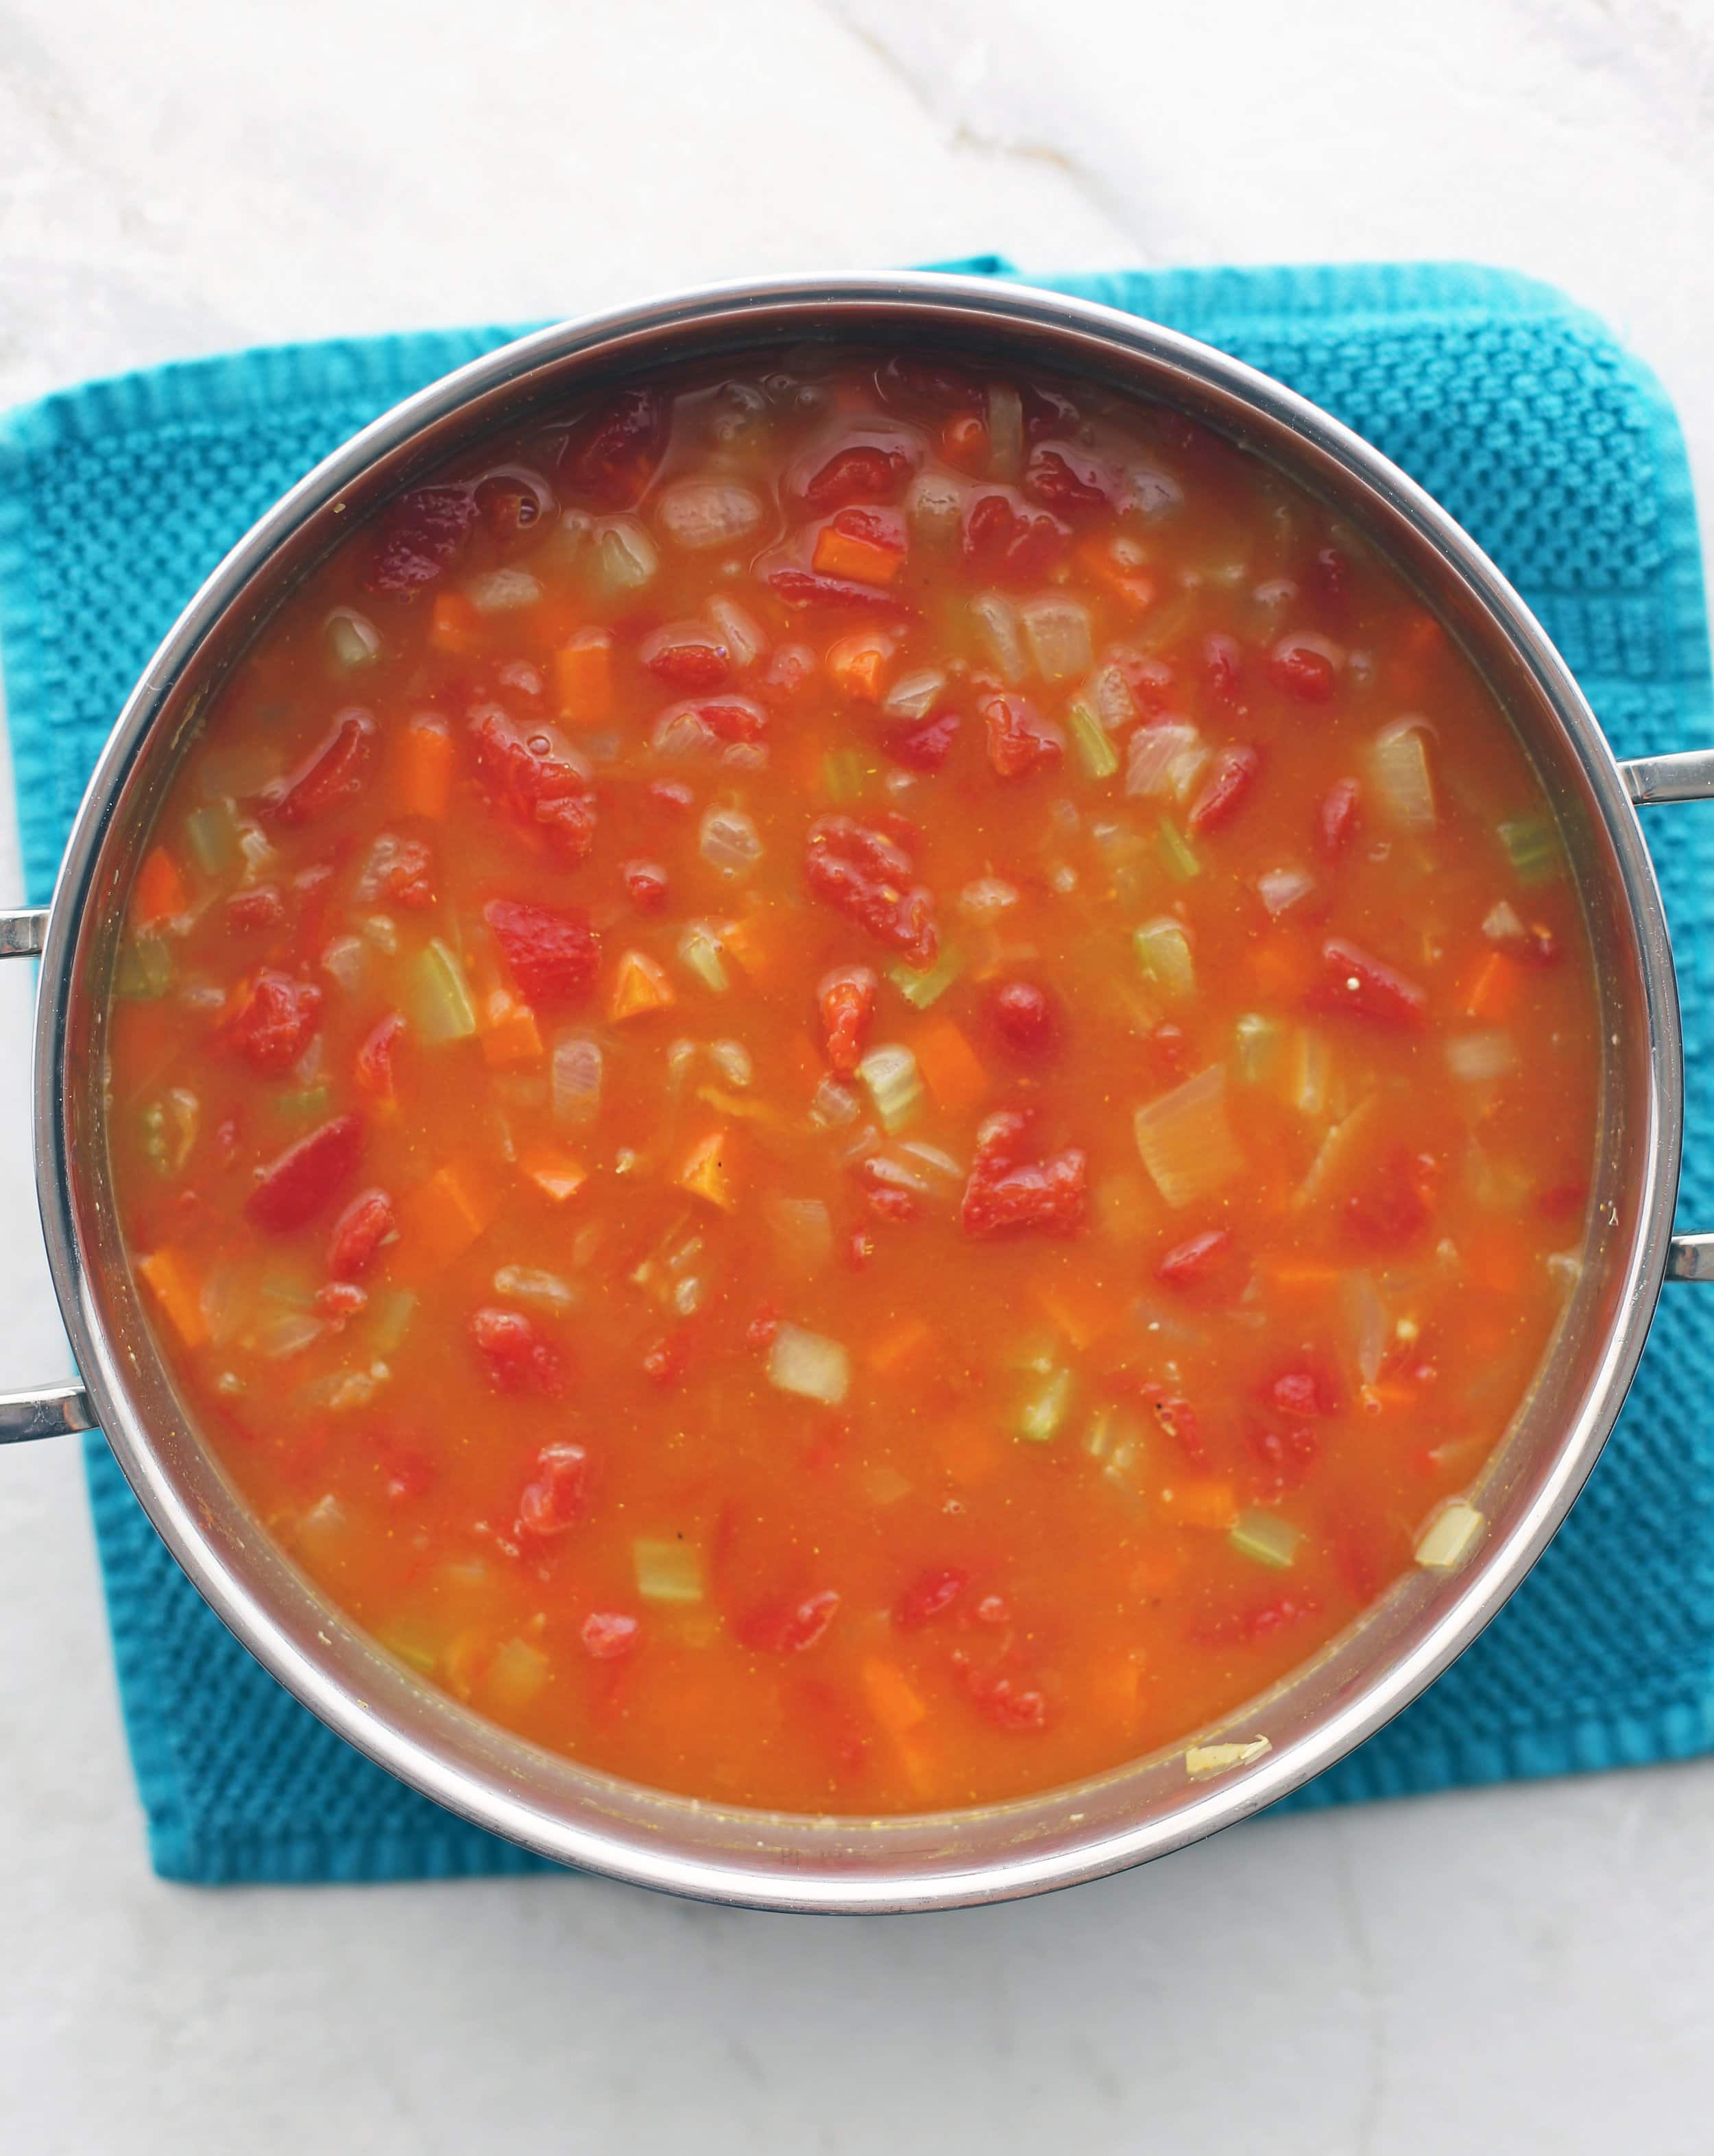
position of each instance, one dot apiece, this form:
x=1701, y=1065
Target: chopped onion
x=1475, y=1057
x=745, y=640
x=1503, y=925
x=1165, y=758
x=288, y=1334
x=889, y=1073
x=1005, y=432
x=934, y=505
x=577, y=1079
x=1058, y=632
x=728, y=842
x=346, y=957
x=1278, y=888
x=804, y=1235
x=834, y=1106
x=666, y=1571
x=1311, y=1072
x=1345, y=1145
x=1265, y=1538
x=1162, y=949
x=530, y=1283
x=625, y=554
x=1368, y=1322
x=700, y=949
x=1151, y=495
x=996, y=626
x=682, y=733
x=808, y=1365
x=940, y=1165
x=700, y=513
x=731, y=1059
x=1258, y=1043
x=915, y=694
x=502, y=591
x=1399, y=763
x=1450, y=1534
x=353, y=641
x=1109, y=696
x=1565, y=1269
x=680, y=1057
x=1186, y=1140
x=984, y=900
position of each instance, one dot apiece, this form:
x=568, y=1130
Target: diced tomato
x=672, y=795
x=398, y=872
x=1005, y=1193
x=551, y=953
x=610, y=457
x=868, y=876
x=556, y=1496
x=1396, y=1207
x=1169, y=1050
x=1013, y=1706
x=1223, y=666
x=1354, y=982
x=1338, y=817
x=372, y=1064
x=1300, y=670
x=664, y=1360
x=847, y=1002
x=420, y=537
x=808, y=587
x=688, y=656
x=925, y=746
x=930, y=1595
x=1179, y=1421
x=252, y=912
x=608, y=1635
x=887, y=1199
x=1026, y=1016
x=338, y=1300
x=645, y=885
x=1304, y=1393
x=306, y=1178
x=359, y=1234
x=516, y=1354
x=1069, y=482
x=538, y=776
x=1195, y=1260
x=1009, y=540
x=1019, y=740
x=333, y=772
x=760, y=1332
x=861, y=471
x=1284, y=1458
x=275, y=1023
x=789, y=1629
x=1225, y=788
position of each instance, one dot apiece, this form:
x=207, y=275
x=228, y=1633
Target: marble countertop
x=1517, y=1969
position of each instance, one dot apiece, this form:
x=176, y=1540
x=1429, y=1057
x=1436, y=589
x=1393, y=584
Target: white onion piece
x=1503, y=924
x=626, y=555
x=803, y=1232
x=1058, y=631
x=987, y=899
x=935, y=505
x=1399, y=761
x=700, y=513
x=997, y=625
x=1476, y=1057
x=809, y=1365
x=1278, y=888
x=732, y=1059
x=502, y=591
x=744, y=637
x=353, y=640
x=1150, y=493
x=1368, y=1322
x=834, y=1106
x=914, y=695
x=728, y=842
x=1110, y=697
x=1163, y=759
x=577, y=1079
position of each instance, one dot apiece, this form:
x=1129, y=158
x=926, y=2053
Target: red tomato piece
x=1008, y=539
x=372, y=1064
x=1179, y=1421
x=1019, y=740
x=688, y=656
x=1225, y=788
x=1397, y=1206
x=250, y=913
x=537, y=776
x=847, y=1003
x=778, y=1628
x=866, y=874
x=760, y=1332
x=664, y=1362
x=306, y=1178
x=1284, y=1458
x=1223, y=664
x=333, y=772
x=1196, y=1259
x=611, y=456
x=645, y=885
x=1169, y=1050
x=1300, y=670
x=551, y=953
x=887, y=1199
x=925, y=746
x=930, y=1595
x=1005, y=1193
x=275, y=1023
x=672, y=796
x=1026, y=1016
x=516, y=1354
x=1338, y=817
x=1013, y=1706
x=1354, y=982
x=366, y=1224
x=1069, y=482
x=608, y=1635
x=861, y=471
x=808, y=587
x=1303, y=1394
x=398, y=872
x=420, y=537
x=556, y=1496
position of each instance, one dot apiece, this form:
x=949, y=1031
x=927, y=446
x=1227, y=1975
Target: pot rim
x=496, y=1800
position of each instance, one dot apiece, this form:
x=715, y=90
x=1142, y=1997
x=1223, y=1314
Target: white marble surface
x=1518, y=1970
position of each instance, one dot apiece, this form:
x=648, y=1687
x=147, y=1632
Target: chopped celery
x=666, y=1572
x=1115, y=1437
x=1311, y=1071
x=211, y=838
x=889, y=1073
x=921, y=989
x=1265, y=1537
x=1186, y=1140
x=516, y=1672
x=390, y=1317
x=997, y=625
x=170, y=1130
x=813, y=1368
x=1091, y=739
x=701, y=950
x=1532, y=844
x=1043, y=1409
x=303, y=1103
x=1162, y=949
x=144, y=971
x=1257, y=1039
x=845, y=774
x=439, y=996
x=1178, y=853
x=1005, y=432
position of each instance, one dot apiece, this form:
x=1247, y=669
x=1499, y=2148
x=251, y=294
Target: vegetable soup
x=856, y=1087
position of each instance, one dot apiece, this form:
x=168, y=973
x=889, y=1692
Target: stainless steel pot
x=768, y=1860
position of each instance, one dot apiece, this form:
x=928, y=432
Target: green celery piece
x=302, y=1104
x=390, y=1319
x=921, y=989
x=1043, y=1409
x=1532, y=843
x=441, y=1009
x=1178, y=853
x=144, y=972
x=1093, y=742
x=1265, y=1537
x=845, y=773
x=667, y=1571
x=211, y=838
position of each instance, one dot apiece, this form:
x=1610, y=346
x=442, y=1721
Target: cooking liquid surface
x=851, y=1088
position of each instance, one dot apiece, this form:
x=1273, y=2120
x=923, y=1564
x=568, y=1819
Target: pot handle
x=1687, y=775
x=45, y=1410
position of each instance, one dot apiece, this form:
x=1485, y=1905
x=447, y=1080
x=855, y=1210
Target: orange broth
x=854, y=1088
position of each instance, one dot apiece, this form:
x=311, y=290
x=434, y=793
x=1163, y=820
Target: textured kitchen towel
x=1547, y=442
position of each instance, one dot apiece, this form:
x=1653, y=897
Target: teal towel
x=1547, y=441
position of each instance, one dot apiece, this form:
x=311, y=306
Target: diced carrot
x=427, y=757
x=1134, y=588
x=951, y=1067
x=760, y=941
x=969, y=1451
x=1200, y=1501
x=510, y=1034
x=707, y=1173
x=1282, y=967
x=583, y=671
x=857, y=664
x=1492, y=991
x=1083, y=1317
x=899, y=1345
x=159, y=892
x=556, y=1174
x=893, y=1700
x=455, y=624
x=174, y=1287
x=443, y=1216
x=844, y=554
x=639, y=985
